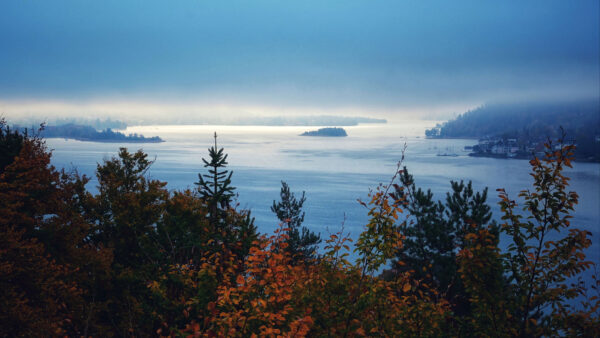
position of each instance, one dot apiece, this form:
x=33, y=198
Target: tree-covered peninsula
x=87, y=133
x=527, y=126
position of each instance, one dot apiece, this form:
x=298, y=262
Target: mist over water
x=334, y=171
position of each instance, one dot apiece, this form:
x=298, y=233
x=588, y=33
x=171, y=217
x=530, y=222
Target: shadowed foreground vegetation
x=137, y=260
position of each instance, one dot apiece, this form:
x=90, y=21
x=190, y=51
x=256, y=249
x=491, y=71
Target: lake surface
x=334, y=171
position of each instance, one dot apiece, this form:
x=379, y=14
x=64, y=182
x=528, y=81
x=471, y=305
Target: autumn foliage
x=134, y=259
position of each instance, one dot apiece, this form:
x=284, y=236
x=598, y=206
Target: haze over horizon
x=379, y=59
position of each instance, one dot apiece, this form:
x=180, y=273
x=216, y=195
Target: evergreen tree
x=233, y=228
x=301, y=241
x=437, y=232
x=11, y=142
x=215, y=187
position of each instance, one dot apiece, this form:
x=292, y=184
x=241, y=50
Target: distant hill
x=97, y=124
x=542, y=119
x=329, y=132
x=213, y=119
x=530, y=122
x=317, y=120
x=87, y=133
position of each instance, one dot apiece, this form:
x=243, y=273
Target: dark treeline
x=531, y=122
x=330, y=132
x=135, y=259
x=87, y=133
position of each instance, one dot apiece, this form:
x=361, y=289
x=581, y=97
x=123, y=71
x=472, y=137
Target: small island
x=328, y=132
x=87, y=133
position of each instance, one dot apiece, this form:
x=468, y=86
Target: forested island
x=87, y=133
x=520, y=130
x=327, y=132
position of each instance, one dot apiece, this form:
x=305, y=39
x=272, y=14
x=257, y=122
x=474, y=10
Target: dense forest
x=531, y=122
x=87, y=133
x=135, y=259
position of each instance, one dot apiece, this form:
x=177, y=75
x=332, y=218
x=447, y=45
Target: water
x=334, y=172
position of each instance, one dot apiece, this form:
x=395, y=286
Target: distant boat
x=449, y=152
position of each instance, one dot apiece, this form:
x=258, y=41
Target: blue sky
x=352, y=57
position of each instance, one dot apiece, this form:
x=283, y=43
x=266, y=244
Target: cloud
x=382, y=56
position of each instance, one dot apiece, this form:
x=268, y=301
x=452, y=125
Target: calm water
x=334, y=172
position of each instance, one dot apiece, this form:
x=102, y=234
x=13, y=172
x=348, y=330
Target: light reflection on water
x=334, y=172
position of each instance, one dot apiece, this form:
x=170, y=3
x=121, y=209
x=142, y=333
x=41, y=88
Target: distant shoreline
x=516, y=130
x=266, y=121
x=523, y=157
x=451, y=138
x=149, y=140
x=90, y=134
x=518, y=156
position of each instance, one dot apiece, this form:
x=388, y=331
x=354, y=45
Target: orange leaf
x=240, y=279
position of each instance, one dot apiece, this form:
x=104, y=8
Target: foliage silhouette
x=136, y=260
x=301, y=241
x=436, y=232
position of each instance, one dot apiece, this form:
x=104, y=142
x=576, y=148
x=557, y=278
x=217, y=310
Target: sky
x=369, y=58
